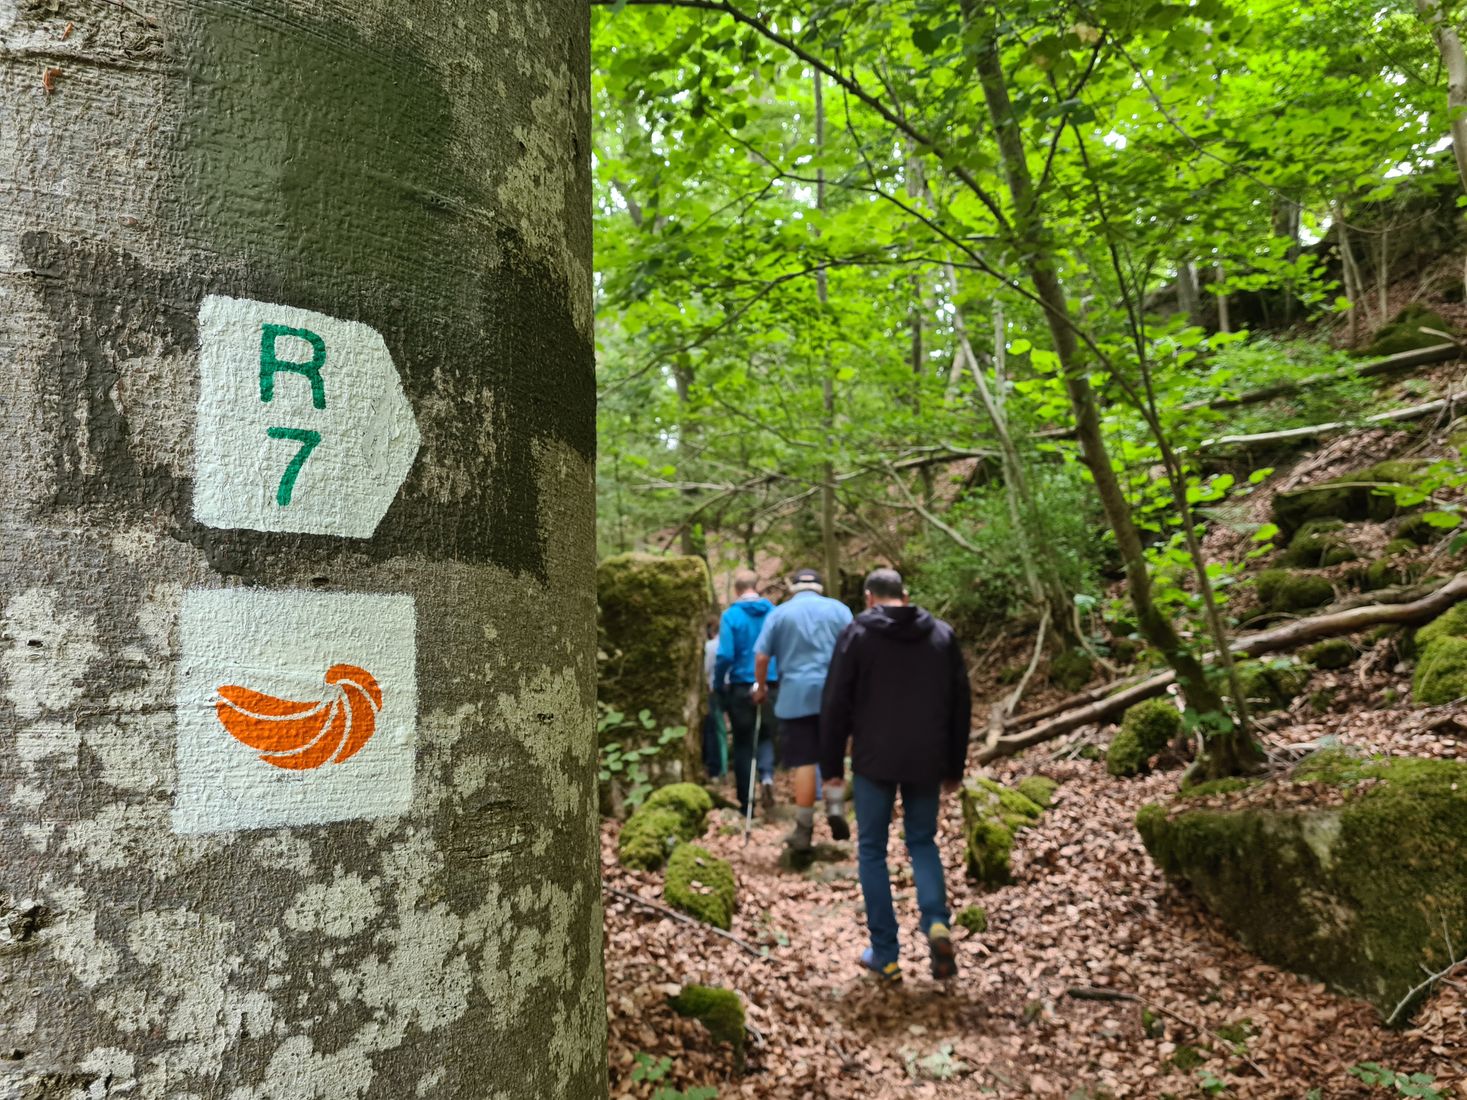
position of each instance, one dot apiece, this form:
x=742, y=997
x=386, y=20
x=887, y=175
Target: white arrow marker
x=302, y=421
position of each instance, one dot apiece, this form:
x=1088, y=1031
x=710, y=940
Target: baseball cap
x=802, y=579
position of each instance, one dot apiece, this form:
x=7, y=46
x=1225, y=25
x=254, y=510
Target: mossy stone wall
x=653, y=611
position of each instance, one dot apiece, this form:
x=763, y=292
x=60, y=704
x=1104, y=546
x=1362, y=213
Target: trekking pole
x=753, y=766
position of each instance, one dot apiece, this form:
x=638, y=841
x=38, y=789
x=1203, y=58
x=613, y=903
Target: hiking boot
x=944, y=958
x=801, y=838
x=840, y=828
x=766, y=797
x=885, y=973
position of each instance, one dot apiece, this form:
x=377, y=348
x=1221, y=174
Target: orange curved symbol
x=300, y=736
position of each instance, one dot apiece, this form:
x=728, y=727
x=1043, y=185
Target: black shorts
x=800, y=741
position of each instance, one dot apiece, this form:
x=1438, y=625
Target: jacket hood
x=755, y=609
x=903, y=624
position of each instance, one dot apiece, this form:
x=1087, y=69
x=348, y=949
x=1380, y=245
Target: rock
x=652, y=614
x=1038, y=789
x=1287, y=590
x=974, y=918
x=1389, y=570
x=1361, y=895
x=1331, y=653
x=688, y=800
x=1145, y=730
x=992, y=814
x=701, y=885
x=1354, y=496
x=719, y=1010
x=1441, y=671
x=1417, y=530
x=1451, y=623
x=1403, y=332
x=1318, y=544
x=1071, y=670
x=649, y=835
x=1271, y=685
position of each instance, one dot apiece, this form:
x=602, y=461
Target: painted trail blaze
x=304, y=735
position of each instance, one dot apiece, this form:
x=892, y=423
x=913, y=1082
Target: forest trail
x=1088, y=908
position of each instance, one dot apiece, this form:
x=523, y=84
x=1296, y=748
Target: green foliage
x=700, y=884
x=653, y=1070
x=1404, y=1084
x=974, y=918
x=619, y=763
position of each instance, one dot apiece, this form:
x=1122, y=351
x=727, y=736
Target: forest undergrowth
x=1088, y=908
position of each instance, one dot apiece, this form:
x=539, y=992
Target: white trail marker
x=302, y=421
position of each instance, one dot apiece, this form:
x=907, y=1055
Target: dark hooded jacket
x=898, y=693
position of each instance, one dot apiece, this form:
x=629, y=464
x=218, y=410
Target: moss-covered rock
x=1390, y=569
x=701, y=885
x=1331, y=653
x=1441, y=672
x=1419, y=532
x=720, y=1010
x=1286, y=590
x=1071, y=670
x=1361, y=495
x=1451, y=623
x=1318, y=544
x=652, y=614
x=974, y=918
x=649, y=835
x=688, y=800
x=1403, y=332
x=1361, y=894
x=992, y=814
x=1145, y=731
x=1038, y=789
x=1271, y=685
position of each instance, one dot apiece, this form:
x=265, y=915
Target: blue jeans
x=744, y=719
x=874, y=804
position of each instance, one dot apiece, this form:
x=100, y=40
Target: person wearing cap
x=898, y=694
x=800, y=635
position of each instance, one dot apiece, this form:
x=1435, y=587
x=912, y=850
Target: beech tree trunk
x=297, y=791
x=1454, y=58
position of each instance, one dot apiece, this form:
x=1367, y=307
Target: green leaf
x=1266, y=532
x=1446, y=520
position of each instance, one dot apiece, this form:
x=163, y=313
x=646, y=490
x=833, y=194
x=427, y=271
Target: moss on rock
x=1318, y=544
x=1332, y=653
x=1360, y=895
x=1403, y=331
x=1145, y=731
x=701, y=885
x=649, y=835
x=652, y=613
x=1441, y=672
x=688, y=800
x=1286, y=590
x=1360, y=495
x=1270, y=685
x=1071, y=670
x=1038, y=789
x=992, y=814
x=720, y=1010
x=974, y=918
x=1419, y=532
x=1451, y=623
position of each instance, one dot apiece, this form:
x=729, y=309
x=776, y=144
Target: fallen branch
x=1397, y=416
x=1285, y=637
x=1018, y=693
x=1431, y=979
x=638, y=899
x=1091, y=993
x=1390, y=364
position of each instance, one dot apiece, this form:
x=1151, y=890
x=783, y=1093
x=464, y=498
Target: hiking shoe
x=886, y=973
x=801, y=838
x=944, y=958
x=766, y=796
x=840, y=828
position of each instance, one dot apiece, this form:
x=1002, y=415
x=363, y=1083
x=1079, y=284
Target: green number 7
x=308, y=441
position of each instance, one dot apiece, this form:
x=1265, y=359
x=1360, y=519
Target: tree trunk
x=1034, y=245
x=1449, y=44
x=829, y=544
x=220, y=224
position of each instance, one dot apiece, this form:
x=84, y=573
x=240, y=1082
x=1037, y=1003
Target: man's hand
x=758, y=693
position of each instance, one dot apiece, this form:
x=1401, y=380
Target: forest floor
x=1087, y=908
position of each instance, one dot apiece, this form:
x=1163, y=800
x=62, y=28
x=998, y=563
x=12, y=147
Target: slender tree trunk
x=1449, y=45
x=1224, y=320
x=368, y=227
x=1034, y=244
x=829, y=544
x=1189, y=299
x=1354, y=285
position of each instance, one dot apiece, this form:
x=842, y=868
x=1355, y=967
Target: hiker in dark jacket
x=898, y=694
x=752, y=721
